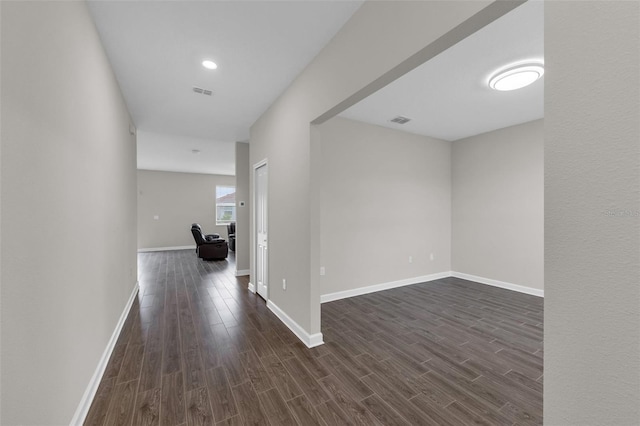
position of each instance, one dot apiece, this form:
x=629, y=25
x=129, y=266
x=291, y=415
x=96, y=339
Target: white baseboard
x=144, y=250
x=311, y=340
x=495, y=283
x=383, y=286
x=252, y=288
x=85, y=403
x=242, y=272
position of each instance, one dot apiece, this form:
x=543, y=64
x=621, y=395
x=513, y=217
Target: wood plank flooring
x=198, y=349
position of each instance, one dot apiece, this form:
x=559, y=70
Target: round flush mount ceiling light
x=210, y=65
x=516, y=77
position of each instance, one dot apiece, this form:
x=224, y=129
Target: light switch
x=156, y=217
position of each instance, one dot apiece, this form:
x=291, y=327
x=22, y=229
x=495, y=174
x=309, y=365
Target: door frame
x=254, y=232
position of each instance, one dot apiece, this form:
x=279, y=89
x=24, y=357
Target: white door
x=262, y=263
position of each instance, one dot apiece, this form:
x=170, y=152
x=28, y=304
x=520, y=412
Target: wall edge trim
x=501, y=284
x=330, y=297
x=144, y=250
x=87, y=399
x=310, y=340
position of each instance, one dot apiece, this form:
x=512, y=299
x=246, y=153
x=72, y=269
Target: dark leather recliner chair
x=206, y=237
x=209, y=246
x=231, y=230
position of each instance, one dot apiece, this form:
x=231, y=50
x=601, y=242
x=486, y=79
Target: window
x=225, y=204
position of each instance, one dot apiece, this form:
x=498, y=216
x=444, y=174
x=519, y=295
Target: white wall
x=243, y=217
x=592, y=257
x=364, y=54
x=68, y=208
x=498, y=205
x=386, y=195
x=178, y=199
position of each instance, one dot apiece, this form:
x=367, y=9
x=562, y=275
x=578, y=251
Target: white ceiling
x=156, y=49
x=449, y=98
x=174, y=153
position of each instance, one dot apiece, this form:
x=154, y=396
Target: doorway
x=261, y=228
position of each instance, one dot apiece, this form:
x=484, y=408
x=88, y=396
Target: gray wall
x=498, y=205
x=68, y=208
x=243, y=217
x=179, y=199
x=350, y=64
x=386, y=195
x=592, y=213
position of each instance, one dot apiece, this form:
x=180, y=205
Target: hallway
x=198, y=348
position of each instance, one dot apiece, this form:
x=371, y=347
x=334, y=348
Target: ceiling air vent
x=202, y=91
x=400, y=120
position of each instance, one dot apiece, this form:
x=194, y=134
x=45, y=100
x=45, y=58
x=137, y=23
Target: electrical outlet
x=322, y=270
x=431, y=256
x=410, y=259
x=284, y=284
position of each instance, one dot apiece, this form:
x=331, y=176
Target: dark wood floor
x=198, y=348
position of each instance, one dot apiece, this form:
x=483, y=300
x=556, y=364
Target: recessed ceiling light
x=210, y=65
x=516, y=77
